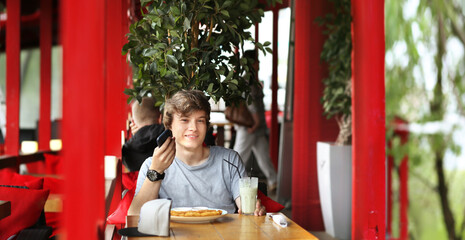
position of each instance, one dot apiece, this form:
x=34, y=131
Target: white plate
x=205, y=219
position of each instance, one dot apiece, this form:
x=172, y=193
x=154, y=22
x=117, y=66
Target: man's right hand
x=164, y=155
x=134, y=127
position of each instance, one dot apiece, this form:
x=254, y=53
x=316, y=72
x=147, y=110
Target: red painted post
x=13, y=66
x=83, y=30
x=310, y=125
x=403, y=133
x=368, y=118
x=45, y=73
x=115, y=99
x=274, y=133
x=389, y=196
x=403, y=175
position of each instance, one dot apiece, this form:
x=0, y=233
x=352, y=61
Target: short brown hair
x=145, y=112
x=186, y=102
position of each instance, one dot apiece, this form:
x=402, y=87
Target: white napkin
x=278, y=219
x=154, y=218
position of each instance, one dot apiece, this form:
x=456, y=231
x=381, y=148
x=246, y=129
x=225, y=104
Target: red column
x=368, y=118
x=274, y=133
x=403, y=197
x=13, y=66
x=389, y=196
x=45, y=73
x=83, y=117
x=115, y=99
x=310, y=125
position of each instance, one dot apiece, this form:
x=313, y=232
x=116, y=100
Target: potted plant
x=180, y=44
x=335, y=159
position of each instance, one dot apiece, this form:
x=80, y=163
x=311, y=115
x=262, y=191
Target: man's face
x=189, y=131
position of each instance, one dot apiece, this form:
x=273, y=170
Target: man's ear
x=159, y=121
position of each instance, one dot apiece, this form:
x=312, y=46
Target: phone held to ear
x=163, y=136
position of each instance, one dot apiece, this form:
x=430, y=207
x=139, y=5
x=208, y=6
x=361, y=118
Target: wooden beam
x=13, y=161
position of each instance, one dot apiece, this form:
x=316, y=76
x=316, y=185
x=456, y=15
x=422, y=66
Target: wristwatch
x=154, y=176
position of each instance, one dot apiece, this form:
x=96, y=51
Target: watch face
x=152, y=175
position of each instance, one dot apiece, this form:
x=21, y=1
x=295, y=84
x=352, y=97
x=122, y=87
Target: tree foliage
x=424, y=85
x=337, y=97
x=182, y=44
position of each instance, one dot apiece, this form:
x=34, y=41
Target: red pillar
x=115, y=99
x=389, y=197
x=368, y=118
x=403, y=197
x=310, y=125
x=13, y=66
x=83, y=117
x=274, y=133
x=45, y=73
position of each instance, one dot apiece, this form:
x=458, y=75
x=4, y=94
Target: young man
x=185, y=170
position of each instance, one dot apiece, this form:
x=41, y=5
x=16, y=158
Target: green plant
x=336, y=52
x=181, y=44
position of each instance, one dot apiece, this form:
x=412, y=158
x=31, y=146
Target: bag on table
x=239, y=115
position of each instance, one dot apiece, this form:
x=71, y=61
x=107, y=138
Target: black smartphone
x=163, y=136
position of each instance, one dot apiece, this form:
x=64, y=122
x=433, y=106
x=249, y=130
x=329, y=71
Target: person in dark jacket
x=145, y=128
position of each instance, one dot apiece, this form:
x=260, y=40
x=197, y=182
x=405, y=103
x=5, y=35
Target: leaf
x=175, y=10
x=160, y=46
x=225, y=13
x=153, y=68
x=186, y=24
x=172, y=61
x=230, y=74
x=162, y=71
x=210, y=87
x=226, y=4
x=144, y=2
x=149, y=52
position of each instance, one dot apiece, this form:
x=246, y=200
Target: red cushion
x=26, y=206
x=53, y=219
x=270, y=204
x=53, y=164
x=119, y=215
x=36, y=167
x=130, y=179
x=55, y=185
x=9, y=177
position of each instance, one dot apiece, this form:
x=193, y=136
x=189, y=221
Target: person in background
x=254, y=139
x=184, y=169
x=145, y=127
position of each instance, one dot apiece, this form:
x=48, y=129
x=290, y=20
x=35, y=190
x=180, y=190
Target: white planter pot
x=335, y=186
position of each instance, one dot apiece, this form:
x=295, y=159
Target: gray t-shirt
x=214, y=183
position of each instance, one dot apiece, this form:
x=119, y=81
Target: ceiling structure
x=30, y=22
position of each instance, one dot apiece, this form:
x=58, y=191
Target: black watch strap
x=154, y=176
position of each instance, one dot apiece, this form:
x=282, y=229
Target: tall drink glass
x=248, y=191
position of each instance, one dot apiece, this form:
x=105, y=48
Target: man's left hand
x=260, y=210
